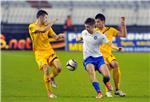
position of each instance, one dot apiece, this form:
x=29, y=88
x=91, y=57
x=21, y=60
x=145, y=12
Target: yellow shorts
x=45, y=57
x=109, y=59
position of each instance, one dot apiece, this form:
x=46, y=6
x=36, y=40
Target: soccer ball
x=71, y=64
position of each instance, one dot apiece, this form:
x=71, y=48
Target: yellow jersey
x=40, y=41
x=110, y=32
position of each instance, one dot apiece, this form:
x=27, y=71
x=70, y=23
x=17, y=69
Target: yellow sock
x=47, y=83
x=116, y=77
x=106, y=89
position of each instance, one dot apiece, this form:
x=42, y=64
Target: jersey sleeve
x=114, y=31
x=32, y=28
x=84, y=32
x=51, y=32
x=104, y=39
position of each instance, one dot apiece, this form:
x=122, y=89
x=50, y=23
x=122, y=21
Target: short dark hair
x=100, y=16
x=41, y=13
x=90, y=21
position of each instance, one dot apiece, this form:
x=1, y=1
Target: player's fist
x=122, y=19
x=61, y=36
x=120, y=49
x=55, y=19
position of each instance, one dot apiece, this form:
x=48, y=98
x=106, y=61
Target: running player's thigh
x=91, y=71
x=104, y=70
x=114, y=64
x=90, y=68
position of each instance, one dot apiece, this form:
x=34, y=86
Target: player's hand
x=61, y=36
x=122, y=19
x=78, y=38
x=54, y=20
x=120, y=49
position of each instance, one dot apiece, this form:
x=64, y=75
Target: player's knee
x=105, y=71
x=115, y=64
x=106, y=74
x=58, y=69
x=92, y=77
x=91, y=73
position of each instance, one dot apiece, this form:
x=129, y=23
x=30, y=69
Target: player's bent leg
x=58, y=66
x=47, y=78
x=104, y=70
x=56, y=70
x=116, y=78
x=47, y=81
x=116, y=74
x=91, y=71
x=106, y=78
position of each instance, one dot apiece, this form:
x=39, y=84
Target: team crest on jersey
x=95, y=37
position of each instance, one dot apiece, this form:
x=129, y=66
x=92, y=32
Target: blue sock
x=96, y=86
x=106, y=79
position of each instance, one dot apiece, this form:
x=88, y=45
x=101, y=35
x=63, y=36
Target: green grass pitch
x=22, y=81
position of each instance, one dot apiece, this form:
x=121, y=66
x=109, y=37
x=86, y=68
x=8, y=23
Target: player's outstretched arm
x=48, y=25
x=79, y=38
x=60, y=36
x=123, y=29
x=113, y=46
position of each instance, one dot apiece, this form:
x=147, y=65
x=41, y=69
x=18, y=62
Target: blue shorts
x=96, y=61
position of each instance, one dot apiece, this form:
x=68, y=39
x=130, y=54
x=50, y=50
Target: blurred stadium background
x=16, y=16
x=21, y=85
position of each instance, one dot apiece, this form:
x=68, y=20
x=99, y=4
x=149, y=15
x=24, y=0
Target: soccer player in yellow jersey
x=44, y=53
x=106, y=50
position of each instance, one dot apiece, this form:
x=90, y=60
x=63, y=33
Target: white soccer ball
x=72, y=64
